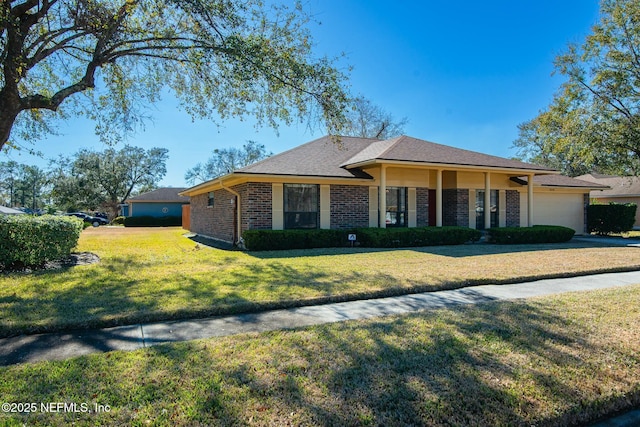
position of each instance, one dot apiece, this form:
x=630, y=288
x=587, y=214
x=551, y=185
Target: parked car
x=96, y=221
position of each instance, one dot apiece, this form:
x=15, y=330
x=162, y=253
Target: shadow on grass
x=455, y=251
x=511, y=364
x=495, y=364
x=113, y=294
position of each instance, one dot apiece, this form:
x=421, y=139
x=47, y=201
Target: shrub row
x=611, y=218
x=535, y=234
x=27, y=241
x=267, y=240
x=411, y=237
x=262, y=240
x=152, y=221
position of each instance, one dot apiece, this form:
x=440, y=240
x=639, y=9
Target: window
x=210, y=199
x=396, y=207
x=301, y=206
x=480, y=209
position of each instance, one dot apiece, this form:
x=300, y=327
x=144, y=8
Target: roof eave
x=448, y=166
x=156, y=201
x=621, y=195
x=203, y=187
x=240, y=177
x=568, y=186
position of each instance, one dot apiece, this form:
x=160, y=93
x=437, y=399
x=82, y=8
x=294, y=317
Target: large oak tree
x=593, y=122
x=105, y=179
x=221, y=58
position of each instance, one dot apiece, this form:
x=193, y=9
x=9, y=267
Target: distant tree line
x=88, y=180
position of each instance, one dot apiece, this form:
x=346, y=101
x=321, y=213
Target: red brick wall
x=455, y=207
x=216, y=221
x=349, y=206
x=513, y=208
x=422, y=207
x=257, y=207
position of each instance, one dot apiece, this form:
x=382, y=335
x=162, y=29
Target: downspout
x=238, y=212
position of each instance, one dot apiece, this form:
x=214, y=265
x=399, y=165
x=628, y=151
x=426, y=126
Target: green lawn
x=554, y=361
x=153, y=273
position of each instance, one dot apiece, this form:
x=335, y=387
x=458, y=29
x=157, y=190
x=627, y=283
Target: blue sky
x=464, y=73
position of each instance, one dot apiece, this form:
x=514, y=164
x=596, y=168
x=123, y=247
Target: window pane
x=396, y=207
x=301, y=206
x=300, y=197
x=300, y=220
x=494, y=209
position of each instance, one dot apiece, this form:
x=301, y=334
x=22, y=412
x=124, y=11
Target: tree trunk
x=7, y=119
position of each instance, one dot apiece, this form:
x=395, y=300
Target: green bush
x=27, y=241
x=152, y=221
x=611, y=218
x=262, y=240
x=268, y=240
x=119, y=220
x=412, y=237
x=535, y=234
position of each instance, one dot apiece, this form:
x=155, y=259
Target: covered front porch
x=452, y=197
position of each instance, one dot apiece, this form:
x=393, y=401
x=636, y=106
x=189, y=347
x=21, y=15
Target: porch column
x=530, y=201
x=487, y=200
x=439, y=198
x=382, y=197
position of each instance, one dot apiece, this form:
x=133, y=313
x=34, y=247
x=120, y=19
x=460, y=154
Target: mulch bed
x=75, y=259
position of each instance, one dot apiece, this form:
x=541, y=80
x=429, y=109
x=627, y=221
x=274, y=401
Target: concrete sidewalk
x=58, y=346
x=609, y=241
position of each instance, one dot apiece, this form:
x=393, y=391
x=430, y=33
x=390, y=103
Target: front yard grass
x=149, y=274
x=554, y=361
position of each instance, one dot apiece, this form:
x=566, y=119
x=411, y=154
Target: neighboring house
x=157, y=203
x=622, y=189
x=400, y=182
x=10, y=211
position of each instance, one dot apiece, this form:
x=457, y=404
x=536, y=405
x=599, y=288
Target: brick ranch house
x=400, y=182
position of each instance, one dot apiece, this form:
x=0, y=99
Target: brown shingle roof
x=165, y=194
x=324, y=157
x=408, y=149
x=620, y=186
x=321, y=157
x=558, y=181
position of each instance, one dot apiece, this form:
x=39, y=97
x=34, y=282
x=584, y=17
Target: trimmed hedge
x=28, y=241
x=275, y=240
x=152, y=221
x=611, y=218
x=535, y=234
x=412, y=237
x=263, y=240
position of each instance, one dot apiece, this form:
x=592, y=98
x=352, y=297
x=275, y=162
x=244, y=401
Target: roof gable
x=165, y=194
x=408, y=149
